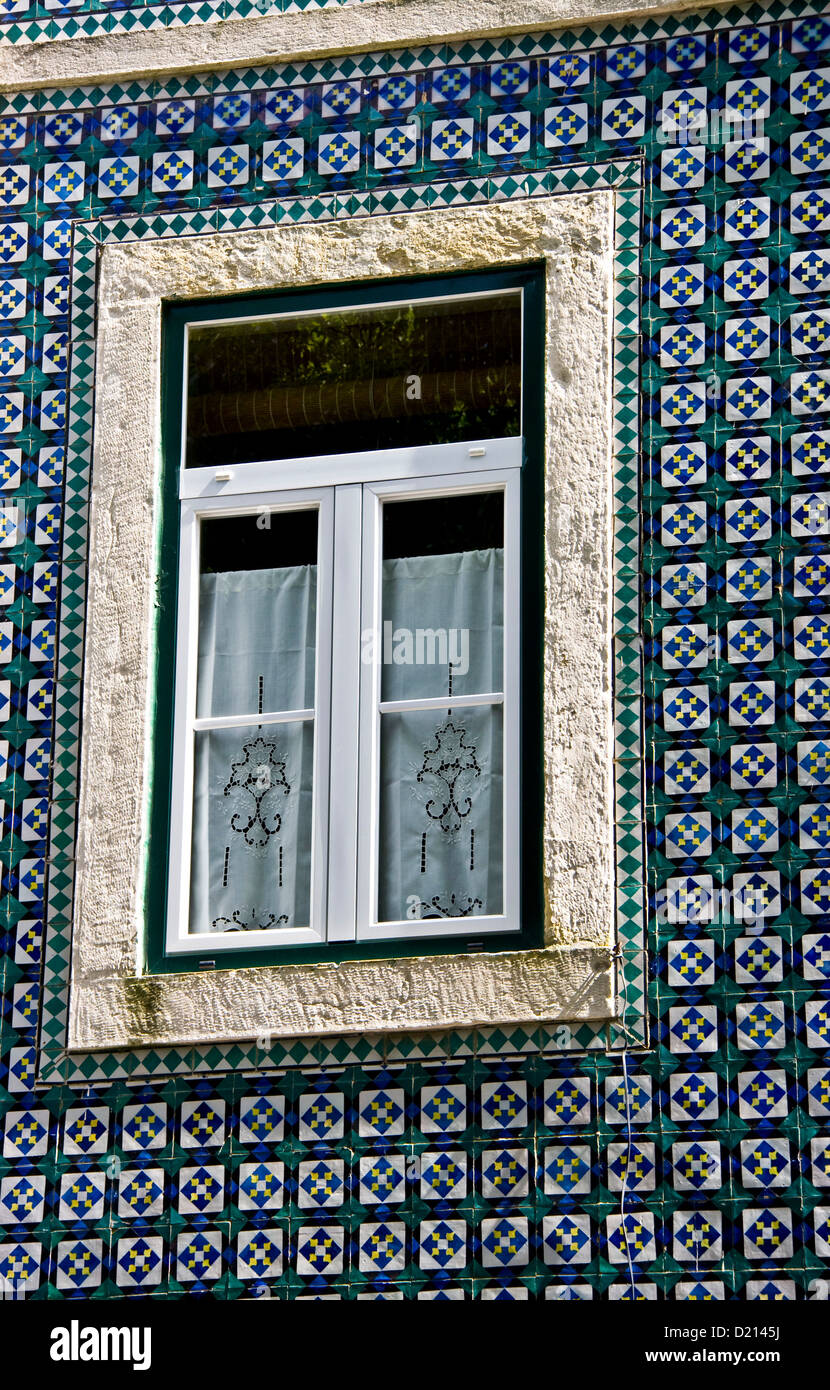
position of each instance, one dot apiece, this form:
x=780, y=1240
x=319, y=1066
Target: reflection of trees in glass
x=355, y=345
x=452, y=367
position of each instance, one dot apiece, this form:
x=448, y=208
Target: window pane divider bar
x=238, y=721
x=448, y=702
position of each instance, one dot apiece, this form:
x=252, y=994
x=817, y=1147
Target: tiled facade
x=684, y=1153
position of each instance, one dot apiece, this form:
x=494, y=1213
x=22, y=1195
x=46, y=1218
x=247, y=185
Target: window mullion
x=345, y=708
x=369, y=712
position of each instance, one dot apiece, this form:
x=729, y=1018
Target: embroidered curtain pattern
x=440, y=827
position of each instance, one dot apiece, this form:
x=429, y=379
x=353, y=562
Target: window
x=123, y=986
x=348, y=760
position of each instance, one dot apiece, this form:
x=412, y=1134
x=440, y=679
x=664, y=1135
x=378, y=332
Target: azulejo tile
x=14, y=239
x=382, y=1247
x=767, y=1233
x=14, y=185
x=630, y=1238
x=567, y=1101
x=82, y=1196
x=693, y=1029
x=322, y=1116
x=283, y=158
x=443, y=1175
x=451, y=139
x=172, y=172
x=450, y=85
x=631, y=1167
x=567, y=125
x=624, y=117
x=341, y=98
x=321, y=1183
x=119, y=123
x=321, y=1250
x=381, y=1112
x=175, y=117
x=758, y=959
x=442, y=1245
x=260, y=1253
x=63, y=130
x=261, y=1119
x=818, y=1089
x=505, y=1242
x=396, y=147
x=817, y=1023
x=21, y=1263
x=443, y=1109
x=338, y=153
x=398, y=93
x=820, y=1161
x=261, y=1186
x=699, y=1290
x=198, y=1256
x=682, y=169
x=227, y=166
x=509, y=133
x=63, y=181
x=144, y=1126
x=693, y=1097
x=139, y=1261
x=815, y=950
x=202, y=1124
x=86, y=1130
x=140, y=1193
x=504, y=1105
x=762, y=1094
x=201, y=1189
x=232, y=111
x=382, y=1179
x=506, y=1173
x=747, y=339
x=771, y=1290
x=78, y=1264
x=765, y=1163
x=22, y=1199
x=696, y=1165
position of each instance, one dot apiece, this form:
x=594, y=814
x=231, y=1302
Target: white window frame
x=179, y=940
x=506, y=481
x=349, y=495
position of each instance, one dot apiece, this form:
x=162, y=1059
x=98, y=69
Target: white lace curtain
x=440, y=849
x=441, y=772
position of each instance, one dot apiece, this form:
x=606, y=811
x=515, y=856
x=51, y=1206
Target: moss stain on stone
x=144, y=1004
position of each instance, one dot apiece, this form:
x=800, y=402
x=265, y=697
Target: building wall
x=684, y=1150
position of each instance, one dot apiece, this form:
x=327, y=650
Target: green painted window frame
x=176, y=317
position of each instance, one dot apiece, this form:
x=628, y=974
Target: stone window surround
x=111, y=1003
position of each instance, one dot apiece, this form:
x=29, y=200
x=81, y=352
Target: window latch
x=222, y=475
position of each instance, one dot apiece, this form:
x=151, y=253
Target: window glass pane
x=257, y=613
x=441, y=814
x=443, y=597
x=353, y=380
x=252, y=800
